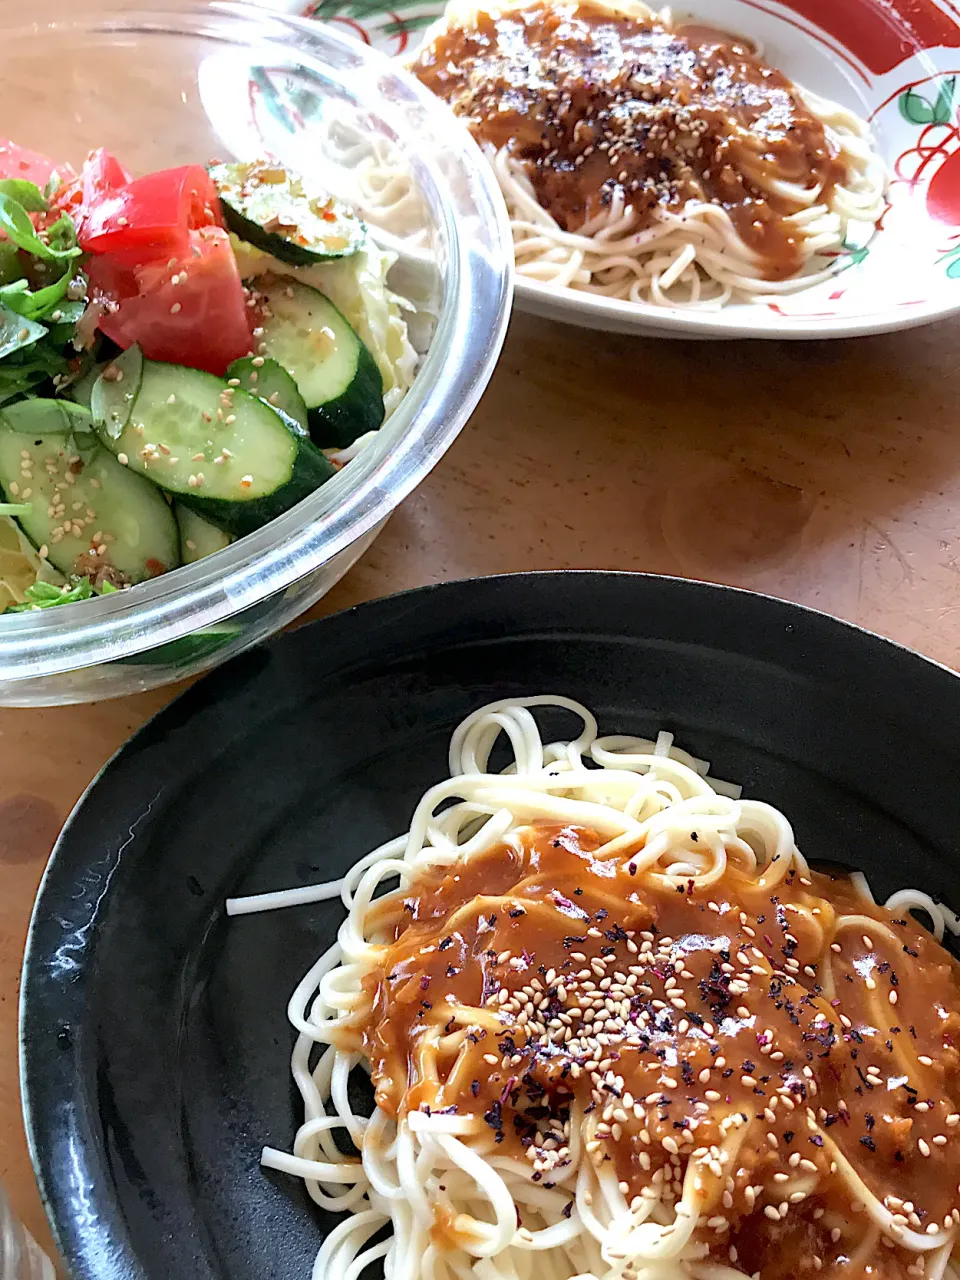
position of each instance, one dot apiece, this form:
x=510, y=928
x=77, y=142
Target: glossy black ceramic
x=154, y=1039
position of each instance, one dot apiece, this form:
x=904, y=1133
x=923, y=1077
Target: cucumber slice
x=81, y=503
x=268, y=206
x=17, y=332
x=81, y=391
x=177, y=653
x=42, y=417
x=336, y=374
x=198, y=537
x=221, y=451
x=115, y=390
x=270, y=381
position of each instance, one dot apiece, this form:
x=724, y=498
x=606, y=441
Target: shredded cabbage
x=20, y=566
x=357, y=286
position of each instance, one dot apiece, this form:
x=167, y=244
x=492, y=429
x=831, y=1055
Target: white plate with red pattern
x=894, y=62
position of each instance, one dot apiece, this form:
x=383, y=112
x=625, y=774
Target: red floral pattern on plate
x=882, y=35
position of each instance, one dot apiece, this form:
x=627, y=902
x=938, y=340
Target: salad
x=183, y=357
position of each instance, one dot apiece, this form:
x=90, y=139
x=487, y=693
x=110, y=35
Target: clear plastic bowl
x=162, y=89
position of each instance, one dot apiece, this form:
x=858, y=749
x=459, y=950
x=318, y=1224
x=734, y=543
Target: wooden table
x=825, y=473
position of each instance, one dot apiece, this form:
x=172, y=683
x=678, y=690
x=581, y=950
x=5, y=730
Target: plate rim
x=46, y=1075
x=615, y=315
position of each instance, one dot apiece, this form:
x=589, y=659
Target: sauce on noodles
x=787, y=1041
x=597, y=103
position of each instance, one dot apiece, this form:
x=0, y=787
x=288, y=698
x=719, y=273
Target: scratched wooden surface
x=824, y=473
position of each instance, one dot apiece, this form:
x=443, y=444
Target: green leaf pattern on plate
x=361, y=9
x=918, y=109
x=926, y=111
x=380, y=24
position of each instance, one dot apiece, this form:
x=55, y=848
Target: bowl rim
x=471, y=216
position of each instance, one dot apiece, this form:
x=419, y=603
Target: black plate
x=154, y=1039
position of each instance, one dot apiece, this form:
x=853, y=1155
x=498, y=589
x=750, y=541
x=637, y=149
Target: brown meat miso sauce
x=539, y=983
x=591, y=101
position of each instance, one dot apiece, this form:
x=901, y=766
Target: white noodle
x=674, y=822
x=691, y=259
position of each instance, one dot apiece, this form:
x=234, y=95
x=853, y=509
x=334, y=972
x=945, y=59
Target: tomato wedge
x=32, y=166
x=190, y=310
x=102, y=173
x=154, y=213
